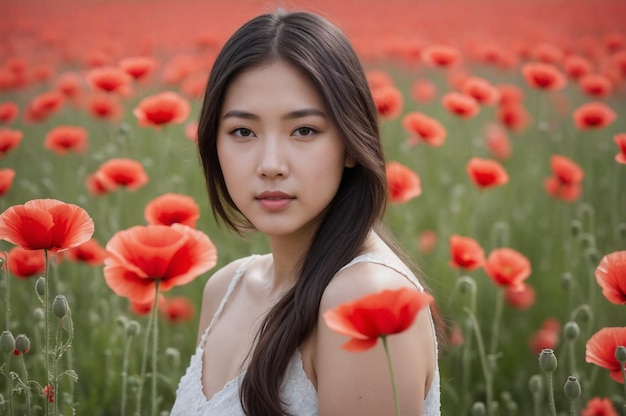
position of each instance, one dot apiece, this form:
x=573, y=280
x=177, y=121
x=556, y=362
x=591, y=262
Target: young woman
x=290, y=147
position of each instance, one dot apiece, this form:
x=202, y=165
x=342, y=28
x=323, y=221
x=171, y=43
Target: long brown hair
x=321, y=52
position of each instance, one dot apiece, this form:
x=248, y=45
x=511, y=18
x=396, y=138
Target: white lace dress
x=296, y=391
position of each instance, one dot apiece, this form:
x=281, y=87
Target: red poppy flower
x=127, y=173
x=108, y=78
x=172, y=208
x=46, y=224
x=161, y=109
x=6, y=180
x=388, y=101
x=611, y=276
x=507, y=267
x=513, y=116
x=481, y=90
x=402, y=183
x=64, y=139
x=105, y=106
x=555, y=188
x=43, y=106
x=424, y=128
x=138, y=67
x=378, y=79
x=543, y=76
x=8, y=111
x=594, y=115
x=423, y=91
x=455, y=336
x=90, y=252
x=545, y=337
x=576, y=66
x=139, y=256
x=9, y=139
x=177, y=309
x=460, y=104
x=599, y=407
x=620, y=141
x=69, y=85
x=510, y=94
x=466, y=253
x=26, y=263
x=98, y=184
x=191, y=131
x=595, y=85
x=441, y=56
x=548, y=53
x=566, y=170
x=193, y=86
x=376, y=315
x=486, y=173
x=619, y=61
x=48, y=393
x=518, y=298
x=601, y=350
x=498, y=142
x=427, y=241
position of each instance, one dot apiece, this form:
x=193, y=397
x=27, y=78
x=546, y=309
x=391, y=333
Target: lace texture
x=296, y=391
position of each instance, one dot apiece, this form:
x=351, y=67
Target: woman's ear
x=350, y=162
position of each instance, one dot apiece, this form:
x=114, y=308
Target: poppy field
x=505, y=136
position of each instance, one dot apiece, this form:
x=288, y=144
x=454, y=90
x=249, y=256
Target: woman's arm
x=359, y=383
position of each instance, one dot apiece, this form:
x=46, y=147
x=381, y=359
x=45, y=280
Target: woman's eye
x=243, y=132
x=304, y=131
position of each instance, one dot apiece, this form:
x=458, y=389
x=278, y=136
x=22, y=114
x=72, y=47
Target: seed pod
x=7, y=342
x=572, y=388
x=547, y=360
x=40, y=286
x=22, y=344
x=59, y=306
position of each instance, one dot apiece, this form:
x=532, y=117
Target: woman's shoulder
x=374, y=273
x=221, y=279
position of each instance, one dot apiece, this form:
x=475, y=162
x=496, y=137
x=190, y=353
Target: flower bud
x=621, y=231
x=22, y=344
x=132, y=328
x=547, y=360
x=620, y=354
x=39, y=314
x=577, y=227
x=571, y=331
x=566, y=281
x=173, y=355
x=7, y=342
x=466, y=284
x=587, y=240
x=583, y=313
x=40, y=286
x=572, y=388
x=59, y=306
x=478, y=409
x=500, y=234
x=535, y=384
x=592, y=255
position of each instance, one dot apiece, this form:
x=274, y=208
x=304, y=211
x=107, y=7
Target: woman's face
x=281, y=156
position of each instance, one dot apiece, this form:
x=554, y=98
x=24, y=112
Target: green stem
x=572, y=407
x=7, y=293
x=393, y=379
x=57, y=354
x=144, y=361
x=572, y=357
x=7, y=374
x=125, y=374
x=623, y=366
x=483, y=362
x=26, y=383
x=551, y=394
x=46, y=306
x=155, y=339
x=495, y=327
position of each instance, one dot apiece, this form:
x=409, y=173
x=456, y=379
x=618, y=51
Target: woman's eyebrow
x=289, y=116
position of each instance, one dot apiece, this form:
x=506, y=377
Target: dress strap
x=374, y=258
x=231, y=288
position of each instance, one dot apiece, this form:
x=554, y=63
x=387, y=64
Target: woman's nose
x=272, y=161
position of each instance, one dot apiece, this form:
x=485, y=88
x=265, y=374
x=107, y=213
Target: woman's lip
x=273, y=195
x=274, y=204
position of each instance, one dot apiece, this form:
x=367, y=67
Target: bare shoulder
x=362, y=279
x=363, y=377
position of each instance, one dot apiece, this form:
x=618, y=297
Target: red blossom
x=90, y=252
x=377, y=315
x=600, y=350
x=162, y=109
x=611, y=276
x=142, y=255
x=138, y=67
x=402, y=183
x=507, y=268
x=620, y=141
x=594, y=115
x=518, y=298
x=46, y=224
x=424, y=128
x=121, y=172
x=8, y=111
x=26, y=263
x=177, y=309
x=481, y=90
x=388, y=101
x=543, y=76
x=108, y=79
x=599, y=407
x=172, y=208
x=566, y=170
x=466, y=253
x=460, y=104
x=486, y=173
x=9, y=139
x=65, y=139
x=6, y=180
x=441, y=56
